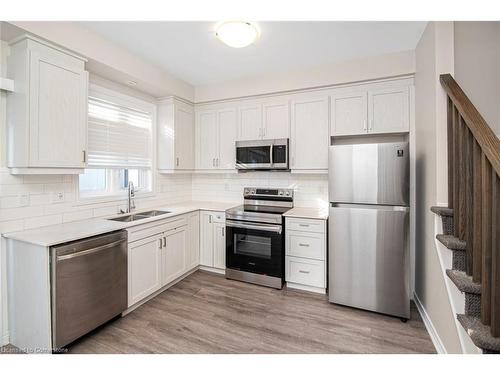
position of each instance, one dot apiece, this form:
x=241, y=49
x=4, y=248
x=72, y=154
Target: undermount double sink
x=139, y=216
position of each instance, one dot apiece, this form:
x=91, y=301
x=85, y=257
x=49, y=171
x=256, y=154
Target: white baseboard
x=307, y=288
x=213, y=270
x=436, y=340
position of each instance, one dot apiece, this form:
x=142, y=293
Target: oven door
x=255, y=247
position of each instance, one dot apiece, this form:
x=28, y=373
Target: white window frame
x=126, y=101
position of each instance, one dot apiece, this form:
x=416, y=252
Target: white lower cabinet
x=193, y=250
x=213, y=239
x=173, y=254
x=305, y=243
x=159, y=253
x=144, y=268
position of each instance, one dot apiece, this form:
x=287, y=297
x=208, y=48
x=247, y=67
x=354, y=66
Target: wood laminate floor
x=205, y=313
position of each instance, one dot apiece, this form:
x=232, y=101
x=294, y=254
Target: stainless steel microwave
x=269, y=154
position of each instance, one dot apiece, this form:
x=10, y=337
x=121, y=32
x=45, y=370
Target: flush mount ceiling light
x=236, y=34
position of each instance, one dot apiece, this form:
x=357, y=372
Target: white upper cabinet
x=388, y=110
x=377, y=108
x=47, y=112
x=216, y=130
x=226, y=119
x=263, y=119
x=309, y=134
x=276, y=119
x=206, y=139
x=175, y=135
x=349, y=113
x=250, y=121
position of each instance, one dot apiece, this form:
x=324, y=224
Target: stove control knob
x=253, y=191
x=287, y=193
x=280, y=193
x=247, y=191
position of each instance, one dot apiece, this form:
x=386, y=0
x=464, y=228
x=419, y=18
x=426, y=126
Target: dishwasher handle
x=89, y=251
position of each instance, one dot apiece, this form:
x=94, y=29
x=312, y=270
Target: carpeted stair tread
x=479, y=333
x=442, y=211
x=451, y=242
x=463, y=282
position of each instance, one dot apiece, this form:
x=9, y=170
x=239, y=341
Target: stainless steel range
x=255, y=240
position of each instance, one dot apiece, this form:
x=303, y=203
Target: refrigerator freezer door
x=369, y=258
x=375, y=173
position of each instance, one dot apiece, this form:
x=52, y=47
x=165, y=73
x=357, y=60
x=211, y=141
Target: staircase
x=471, y=222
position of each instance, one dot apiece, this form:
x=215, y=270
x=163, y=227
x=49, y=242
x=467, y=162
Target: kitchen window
x=119, y=145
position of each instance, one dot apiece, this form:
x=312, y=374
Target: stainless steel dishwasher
x=89, y=285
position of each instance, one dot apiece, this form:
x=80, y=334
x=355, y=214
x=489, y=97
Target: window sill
x=88, y=201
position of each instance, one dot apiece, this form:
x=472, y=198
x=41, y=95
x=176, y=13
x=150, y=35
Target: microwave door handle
x=271, y=155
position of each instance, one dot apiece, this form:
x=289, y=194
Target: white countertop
x=307, y=213
x=60, y=233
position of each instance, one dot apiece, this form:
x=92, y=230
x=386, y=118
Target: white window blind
x=118, y=136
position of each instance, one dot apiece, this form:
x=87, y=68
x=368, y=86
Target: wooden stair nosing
x=479, y=333
x=463, y=282
x=442, y=211
x=451, y=242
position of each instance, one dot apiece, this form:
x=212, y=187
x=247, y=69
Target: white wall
x=433, y=57
x=477, y=58
x=310, y=190
x=374, y=67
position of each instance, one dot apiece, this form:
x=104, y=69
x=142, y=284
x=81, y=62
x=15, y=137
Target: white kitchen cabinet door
x=174, y=254
x=349, y=113
x=219, y=245
x=227, y=132
x=144, y=268
x=206, y=239
x=57, y=111
x=207, y=148
x=310, y=135
x=193, y=251
x=184, y=137
x=388, y=110
x=250, y=122
x=276, y=119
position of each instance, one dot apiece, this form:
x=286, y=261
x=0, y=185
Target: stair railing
x=474, y=195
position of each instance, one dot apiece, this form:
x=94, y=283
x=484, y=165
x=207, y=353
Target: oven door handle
x=263, y=227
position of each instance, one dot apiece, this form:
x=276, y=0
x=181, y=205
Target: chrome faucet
x=131, y=196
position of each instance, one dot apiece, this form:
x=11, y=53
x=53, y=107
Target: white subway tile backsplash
x=42, y=221
x=78, y=215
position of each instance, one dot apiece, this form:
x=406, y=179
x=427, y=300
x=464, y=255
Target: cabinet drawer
x=155, y=227
x=305, y=245
x=218, y=217
x=306, y=272
x=306, y=225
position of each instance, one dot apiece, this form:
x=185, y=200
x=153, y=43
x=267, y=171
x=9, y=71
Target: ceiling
x=190, y=51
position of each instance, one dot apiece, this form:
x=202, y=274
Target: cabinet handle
x=364, y=125
x=164, y=241
x=84, y=156
x=213, y=162
x=302, y=271
x=260, y=132
x=371, y=125
x=304, y=244
x=177, y=161
x=161, y=244
x=210, y=219
x=304, y=225
x=223, y=231
x=218, y=162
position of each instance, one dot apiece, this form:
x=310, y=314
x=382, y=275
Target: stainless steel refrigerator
x=369, y=227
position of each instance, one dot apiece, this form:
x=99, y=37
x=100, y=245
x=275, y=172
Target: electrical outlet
x=58, y=197
x=24, y=200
